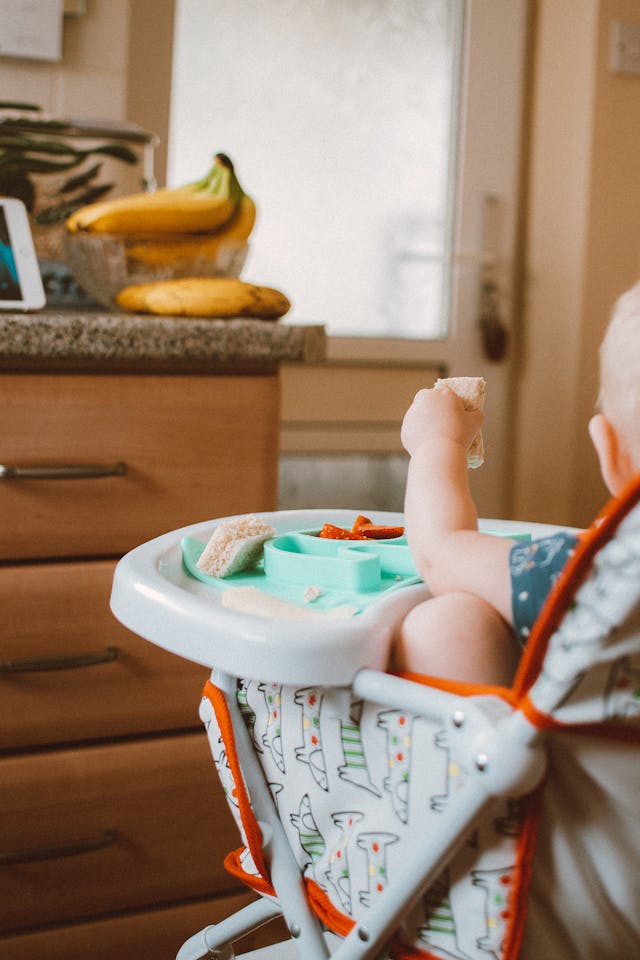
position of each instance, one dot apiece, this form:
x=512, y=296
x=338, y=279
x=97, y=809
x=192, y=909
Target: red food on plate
x=374, y=531
x=331, y=532
x=362, y=529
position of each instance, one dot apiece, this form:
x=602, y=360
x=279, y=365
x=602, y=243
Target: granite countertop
x=88, y=340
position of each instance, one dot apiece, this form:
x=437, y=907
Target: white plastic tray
x=157, y=599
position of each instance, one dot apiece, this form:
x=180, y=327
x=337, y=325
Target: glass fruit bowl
x=104, y=264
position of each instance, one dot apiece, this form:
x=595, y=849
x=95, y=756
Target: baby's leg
x=458, y=637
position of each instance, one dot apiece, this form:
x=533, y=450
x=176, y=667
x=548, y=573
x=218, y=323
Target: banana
x=234, y=233
x=197, y=207
x=204, y=297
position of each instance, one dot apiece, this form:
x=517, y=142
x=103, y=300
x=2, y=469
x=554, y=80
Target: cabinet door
x=110, y=828
x=157, y=934
x=69, y=671
x=194, y=448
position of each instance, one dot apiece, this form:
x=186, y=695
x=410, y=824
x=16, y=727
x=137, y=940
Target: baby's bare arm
x=440, y=515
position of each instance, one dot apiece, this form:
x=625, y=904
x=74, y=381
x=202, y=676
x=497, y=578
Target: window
x=340, y=118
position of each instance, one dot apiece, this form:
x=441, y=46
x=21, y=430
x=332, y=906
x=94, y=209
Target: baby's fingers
x=439, y=414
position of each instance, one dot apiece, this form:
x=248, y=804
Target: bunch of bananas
x=176, y=226
x=180, y=246
x=173, y=237
x=205, y=205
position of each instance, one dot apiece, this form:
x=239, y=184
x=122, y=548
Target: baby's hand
x=438, y=414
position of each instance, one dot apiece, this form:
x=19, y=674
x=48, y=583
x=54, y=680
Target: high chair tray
x=158, y=593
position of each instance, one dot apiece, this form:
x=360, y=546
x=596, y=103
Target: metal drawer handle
x=68, y=471
x=69, y=661
x=106, y=839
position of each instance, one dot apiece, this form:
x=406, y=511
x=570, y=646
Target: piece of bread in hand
x=234, y=546
x=471, y=392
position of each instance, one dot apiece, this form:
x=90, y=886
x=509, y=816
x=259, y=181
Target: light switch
x=624, y=51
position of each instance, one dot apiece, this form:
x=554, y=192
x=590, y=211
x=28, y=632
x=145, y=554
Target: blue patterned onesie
x=535, y=567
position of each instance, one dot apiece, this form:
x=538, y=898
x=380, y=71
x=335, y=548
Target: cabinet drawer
x=157, y=807
x=154, y=933
x=194, y=447
x=59, y=612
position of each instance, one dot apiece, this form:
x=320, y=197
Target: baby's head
x=620, y=370
x=620, y=391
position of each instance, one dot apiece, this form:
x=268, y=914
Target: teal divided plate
x=345, y=571
x=359, y=565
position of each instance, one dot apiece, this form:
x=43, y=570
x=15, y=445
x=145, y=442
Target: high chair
x=408, y=816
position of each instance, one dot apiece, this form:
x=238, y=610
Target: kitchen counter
x=96, y=340
x=170, y=421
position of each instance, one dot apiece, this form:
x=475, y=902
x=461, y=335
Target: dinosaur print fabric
x=552, y=874
x=352, y=782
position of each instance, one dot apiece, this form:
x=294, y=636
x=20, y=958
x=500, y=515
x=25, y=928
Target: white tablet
x=20, y=281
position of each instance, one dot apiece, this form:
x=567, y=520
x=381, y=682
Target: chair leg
x=215, y=941
x=286, y=875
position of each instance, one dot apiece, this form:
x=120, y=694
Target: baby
x=487, y=591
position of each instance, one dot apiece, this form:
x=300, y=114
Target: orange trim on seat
x=342, y=925
x=334, y=919
x=460, y=688
x=607, y=730
x=233, y=865
x=250, y=824
x=561, y=594
x=519, y=899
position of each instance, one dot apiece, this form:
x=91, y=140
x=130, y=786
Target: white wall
x=582, y=249
x=116, y=65
x=91, y=79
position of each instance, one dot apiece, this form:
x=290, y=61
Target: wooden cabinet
x=147, y=935
x=193, y=447
x=123, y=825
x=71, y=672
x=113, y=826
